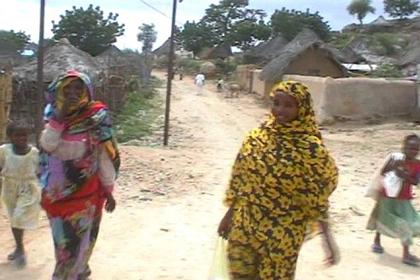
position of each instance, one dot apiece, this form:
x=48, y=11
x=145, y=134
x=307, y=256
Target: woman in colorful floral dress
x=80, y=162
x=280, y=185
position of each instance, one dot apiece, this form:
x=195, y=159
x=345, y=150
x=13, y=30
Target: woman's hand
x=110, y=203
x=70, y=102
x=225, y=224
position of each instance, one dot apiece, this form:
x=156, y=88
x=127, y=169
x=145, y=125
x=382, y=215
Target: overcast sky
x=23, y=15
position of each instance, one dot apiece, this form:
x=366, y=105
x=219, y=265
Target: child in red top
x=395, y=216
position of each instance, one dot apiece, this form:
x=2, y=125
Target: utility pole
x=170, y=74
x=40, y=75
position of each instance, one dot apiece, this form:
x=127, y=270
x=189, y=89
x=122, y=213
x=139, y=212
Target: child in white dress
x=20, y=193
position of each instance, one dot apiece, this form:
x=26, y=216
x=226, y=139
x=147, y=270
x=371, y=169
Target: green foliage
x=190, y=66
x=225, y=67
x=401, y=8
x=244, y=33
x=229, y=21
x=360, y=8
x=339, y=40
x=140, y=111
x=289, y=23
x=387, y=71
x=196, y=36
x=386, y=43
x=147, y=36
x=13, y=42
x=87, y=29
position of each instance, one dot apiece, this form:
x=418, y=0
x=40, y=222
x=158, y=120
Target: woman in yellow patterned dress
x=280, y=184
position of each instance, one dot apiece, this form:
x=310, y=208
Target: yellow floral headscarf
x=306, y=122
x=285, y=165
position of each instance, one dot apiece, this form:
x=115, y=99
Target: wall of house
x=359, y=98
x=243, y=76
x=352, y=98
x=315, y=62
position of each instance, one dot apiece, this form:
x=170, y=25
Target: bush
x=191, y=66
x=387, y=70
x=386, y=43
x=139, y=113
x=225, y=67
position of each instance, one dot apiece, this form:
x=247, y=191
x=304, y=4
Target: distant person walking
x=199, y=82
x=393, y=214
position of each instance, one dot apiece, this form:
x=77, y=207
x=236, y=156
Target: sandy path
x=170, y=200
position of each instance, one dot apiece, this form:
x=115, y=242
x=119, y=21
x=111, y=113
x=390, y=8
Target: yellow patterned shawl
x=285, y=167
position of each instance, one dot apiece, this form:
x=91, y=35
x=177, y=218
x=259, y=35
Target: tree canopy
x=147, y=36
x=195, y=36
x=229, y=21
x=289, y=23
x=400, y=8
x=88, y=29
x=360, y=8
x=12, y=42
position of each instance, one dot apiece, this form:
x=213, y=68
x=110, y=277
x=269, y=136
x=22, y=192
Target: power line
x=155, y=9
x=159, y=11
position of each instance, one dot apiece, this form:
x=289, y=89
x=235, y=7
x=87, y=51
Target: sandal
x=12, y=256
x=376, y=248
x=85, y=274
x=411, y=261
x=20, y=260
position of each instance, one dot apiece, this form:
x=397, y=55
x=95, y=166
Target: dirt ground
x=169, y=199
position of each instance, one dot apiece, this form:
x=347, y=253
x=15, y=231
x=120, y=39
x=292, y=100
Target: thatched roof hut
x=163, y=49
x=58, y=59
x=221, y=51
x=265, y=51
x=306, y=54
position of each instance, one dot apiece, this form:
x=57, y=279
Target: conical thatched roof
x=381, y=21
x=265, y=51
x=221, y=51
x=163, y=49
x=345, y=55
x=58, y=59
x=112, y=56
x=274, y=70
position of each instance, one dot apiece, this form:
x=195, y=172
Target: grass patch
x=139, y=114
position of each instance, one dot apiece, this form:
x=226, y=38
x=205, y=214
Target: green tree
x=88, y=29
x=231, y=21
x=289, y=23
x=400, y=8
x=147, y=36
x=360, y=8
x=196, y=36
x=13, y=42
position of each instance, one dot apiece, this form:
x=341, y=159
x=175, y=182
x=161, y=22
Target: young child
x=20, y=192
x=393, y=214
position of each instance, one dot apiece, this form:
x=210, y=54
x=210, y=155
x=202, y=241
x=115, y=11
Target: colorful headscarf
x=92, y=117
x=55, y=96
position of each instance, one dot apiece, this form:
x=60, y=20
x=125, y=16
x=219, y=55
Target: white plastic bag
x=219, y=268
x=390, y=184
x=393, y=183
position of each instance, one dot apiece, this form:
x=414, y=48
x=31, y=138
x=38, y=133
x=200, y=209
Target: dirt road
x=170, y=199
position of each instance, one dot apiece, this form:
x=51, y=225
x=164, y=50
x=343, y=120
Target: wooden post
x=170, y=74
x=40, y=75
